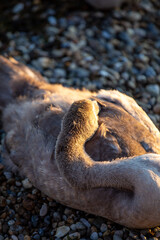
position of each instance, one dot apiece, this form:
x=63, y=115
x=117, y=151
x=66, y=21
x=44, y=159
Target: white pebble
x=43, y=210
x=26, y=183
x=62, y=231
x=18, y=8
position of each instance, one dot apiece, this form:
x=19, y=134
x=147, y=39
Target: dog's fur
x=99, y=165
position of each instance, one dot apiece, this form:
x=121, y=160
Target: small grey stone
x=80, y=226
x=103, y=227
x=125, y=75
x=132, y=83
x=52, y=20
x=20, y=237
x=82, y=72
x=153, y=89
x=36, y=237
x=94, y=236
x=56, y=216
x=18, y=8
x=143, y=57
x=106, y=35
x=11, y=222
x=62, y=231
x=116, y=237
x=119, y=233
x=46, y=62
x=8, y=175
x=85, y=222
x=59, y=73
x=43, y=210
x=141, y=78
x=75, y=235
x=14, y=237
x=150, y=72
x=134, y=16
x=73, y=227
x=26, y=183
x=18, y=184
x=104, y=73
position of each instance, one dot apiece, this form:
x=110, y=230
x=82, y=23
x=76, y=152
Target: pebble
x=150, y=72
x=153, y=89
x=26, y=237
x=62, y=231
x=52, y=20
x=36, y=237
x=11, y=222
x=14, y=237
x=81, y=72
x=20, y=237
x=119, y=233
x=26, y=183
x=106, y=35
x=103, y=227
x=1, y=167
x=94, y=236
x=75, y=235
x=45, y=62
x=85, y=222
x=56, y=216
x=59, y=73
x=34, y=220
x=134, y=16
x=156, y=108
x=2, y=201
x=141, y=78
x=28, y=204
x=8, y=175
x=80, y=226
x=43, y=210
x=73, y=227
x=47, y=220
x=18, y=8
x=116, y=237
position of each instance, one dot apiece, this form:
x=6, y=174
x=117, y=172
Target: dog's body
x=32, y=114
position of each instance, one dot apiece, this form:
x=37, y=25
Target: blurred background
x=72, y=43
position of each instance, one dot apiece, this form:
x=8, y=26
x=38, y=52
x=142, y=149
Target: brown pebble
x=28, y=204
x=26, y=237
x=3, y=215
x=1, y=167
x=31, y=196
x=2, y=201
x=156, y=108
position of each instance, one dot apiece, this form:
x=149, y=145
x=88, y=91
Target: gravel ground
x=73, y=44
